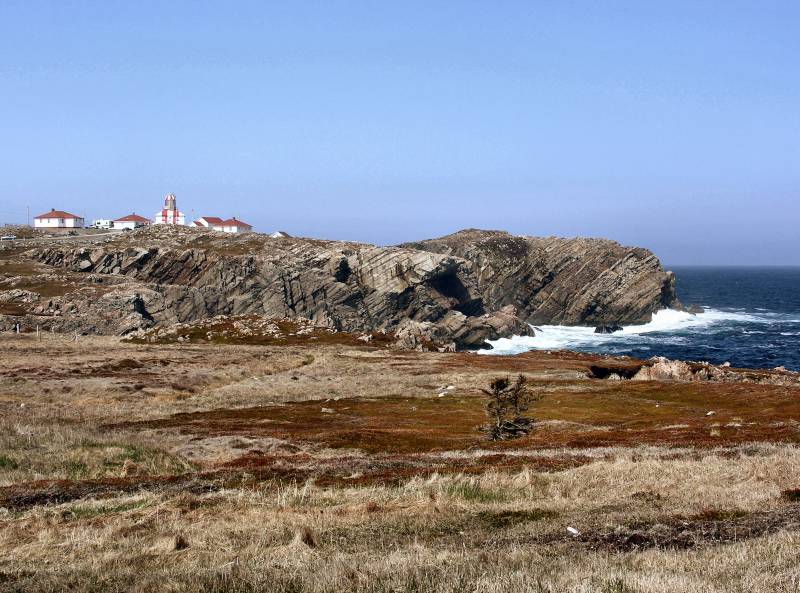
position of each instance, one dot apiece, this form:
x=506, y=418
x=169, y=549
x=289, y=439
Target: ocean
x=751, y=319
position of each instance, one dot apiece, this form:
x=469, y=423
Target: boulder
x=608, y=329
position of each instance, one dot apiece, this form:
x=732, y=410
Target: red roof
x=132, y=218
x=57, y=214
x=210, y=219
x=234, y=222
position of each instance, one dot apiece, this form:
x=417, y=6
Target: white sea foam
x=556, y=337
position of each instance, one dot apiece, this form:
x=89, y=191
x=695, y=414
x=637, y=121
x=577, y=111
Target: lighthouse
x=169, y=214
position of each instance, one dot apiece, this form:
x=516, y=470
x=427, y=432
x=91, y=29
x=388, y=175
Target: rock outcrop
x=457, y=291
x=664, y=369
x=181, y=275
x=591, y=282
x=608, y=329
x=456, y=330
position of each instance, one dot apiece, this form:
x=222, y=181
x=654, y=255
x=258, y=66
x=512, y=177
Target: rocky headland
x=579, y=281
x=454, y=292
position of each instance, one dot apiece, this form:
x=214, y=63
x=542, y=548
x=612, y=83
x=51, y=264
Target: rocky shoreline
x=457, y=291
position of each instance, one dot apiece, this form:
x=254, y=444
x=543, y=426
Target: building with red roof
x=208, y=222
x=232, y=225
x=131, y=221
x=58, y=219
x=214, y=223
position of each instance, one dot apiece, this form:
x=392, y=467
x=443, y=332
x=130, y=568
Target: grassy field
x=335, y=466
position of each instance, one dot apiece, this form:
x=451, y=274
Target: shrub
x=507, y=405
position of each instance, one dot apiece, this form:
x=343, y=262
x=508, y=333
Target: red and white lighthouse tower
x=169, y=214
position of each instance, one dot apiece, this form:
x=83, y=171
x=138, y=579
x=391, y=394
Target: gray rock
x=459, y=290
x=562, y=281
x=608, y=329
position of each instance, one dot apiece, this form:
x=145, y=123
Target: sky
x=669, y=125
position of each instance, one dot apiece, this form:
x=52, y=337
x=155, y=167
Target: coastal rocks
x=562, y=281
x=458, y=291
x=18, y=295
x=239, y=330
x=664, y=369
x=115, y=311
x=186, y=275
x=608, y=329
x=458, y=331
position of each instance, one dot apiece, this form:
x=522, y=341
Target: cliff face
x=459, y=290
x=181, y=275
x=562, y=281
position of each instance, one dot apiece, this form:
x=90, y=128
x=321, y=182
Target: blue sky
x=671, y=125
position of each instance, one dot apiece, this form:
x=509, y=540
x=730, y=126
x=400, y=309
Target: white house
x=131, y=221
x=57, y=219
x=214, y=223
x=209, y=222
x=169, y=214
x=232, y=225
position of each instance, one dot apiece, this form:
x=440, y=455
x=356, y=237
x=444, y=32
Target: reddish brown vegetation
x=608, y=413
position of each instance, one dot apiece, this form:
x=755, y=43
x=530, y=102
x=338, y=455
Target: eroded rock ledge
x=593, y=282
x=457, y=291
x=664, y=369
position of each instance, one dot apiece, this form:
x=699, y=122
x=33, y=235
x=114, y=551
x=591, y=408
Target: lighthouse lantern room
x=170, y=213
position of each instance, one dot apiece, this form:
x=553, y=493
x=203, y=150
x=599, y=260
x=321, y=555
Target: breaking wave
x=667, y=327
x=751, y=319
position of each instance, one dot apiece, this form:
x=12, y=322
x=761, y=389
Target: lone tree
x=507, y=405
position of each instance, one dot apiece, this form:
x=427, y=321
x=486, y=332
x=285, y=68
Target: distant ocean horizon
x=751, y=319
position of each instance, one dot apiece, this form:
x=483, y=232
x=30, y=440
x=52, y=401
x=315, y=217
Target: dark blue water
x=768, y=299
x=752, y=319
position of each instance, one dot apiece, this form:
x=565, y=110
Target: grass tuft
x=8, y=463
x=471, y=491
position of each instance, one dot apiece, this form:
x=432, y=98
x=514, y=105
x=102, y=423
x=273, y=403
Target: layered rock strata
x=457, y=291
x=593, y=282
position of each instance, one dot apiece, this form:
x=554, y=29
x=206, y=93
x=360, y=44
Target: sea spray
x=714, y=335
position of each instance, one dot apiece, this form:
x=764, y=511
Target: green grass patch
x=76, y=469
x=136, y=454
x=87, y=512
x=8, y=463
x=472, y=492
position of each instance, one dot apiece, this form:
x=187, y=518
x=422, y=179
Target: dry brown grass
x=338, y=468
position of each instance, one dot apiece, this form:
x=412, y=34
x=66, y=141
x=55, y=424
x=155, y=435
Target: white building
x=132, y=221
x=214, y=223
x=57, y=219
x=235, y=226
x=169, y=214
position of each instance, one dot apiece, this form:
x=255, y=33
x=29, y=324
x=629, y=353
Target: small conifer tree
x=506, y=406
